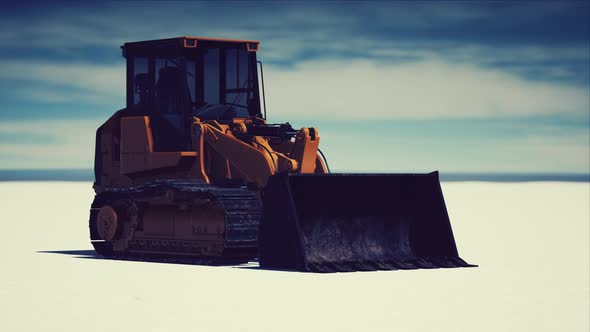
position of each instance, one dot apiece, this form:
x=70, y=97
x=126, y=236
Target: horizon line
x=87, y=175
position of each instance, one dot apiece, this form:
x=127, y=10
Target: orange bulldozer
x=191, y=169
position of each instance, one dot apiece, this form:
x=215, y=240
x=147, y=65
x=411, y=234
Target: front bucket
x=352, y=222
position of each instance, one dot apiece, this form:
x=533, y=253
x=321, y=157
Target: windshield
x=226, y=86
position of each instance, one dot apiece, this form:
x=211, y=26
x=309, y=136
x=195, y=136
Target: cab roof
x=185, y=42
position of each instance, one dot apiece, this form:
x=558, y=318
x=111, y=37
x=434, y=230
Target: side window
x=232, y=65
x=141, y=81
x=191, y=79
x=237, y=84
x=211, y=76
x=236, y=67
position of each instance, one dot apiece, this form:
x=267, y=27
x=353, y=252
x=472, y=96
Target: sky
x=391, y=86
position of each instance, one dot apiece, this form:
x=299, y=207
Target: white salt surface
x=531, y=241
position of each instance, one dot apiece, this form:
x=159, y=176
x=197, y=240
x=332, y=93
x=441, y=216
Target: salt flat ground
x=531, y=241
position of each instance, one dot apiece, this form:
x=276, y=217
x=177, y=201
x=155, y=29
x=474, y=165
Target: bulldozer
x=191, y=169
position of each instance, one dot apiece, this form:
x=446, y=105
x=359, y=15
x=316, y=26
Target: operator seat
x=171, y=116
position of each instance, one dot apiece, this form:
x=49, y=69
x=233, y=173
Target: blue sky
x=392, y=87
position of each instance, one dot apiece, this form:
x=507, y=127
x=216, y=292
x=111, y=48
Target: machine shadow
x=76, y=253
x=91, y=254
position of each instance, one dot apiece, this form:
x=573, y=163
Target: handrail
x=262, y=81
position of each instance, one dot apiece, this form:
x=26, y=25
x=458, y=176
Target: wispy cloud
x=390, y=151
x=361, y=90
x=95, y=81
x=62, y=145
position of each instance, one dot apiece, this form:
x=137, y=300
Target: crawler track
x=241, y=208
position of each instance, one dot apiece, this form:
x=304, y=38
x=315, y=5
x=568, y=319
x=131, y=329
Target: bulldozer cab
x=172, y=80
